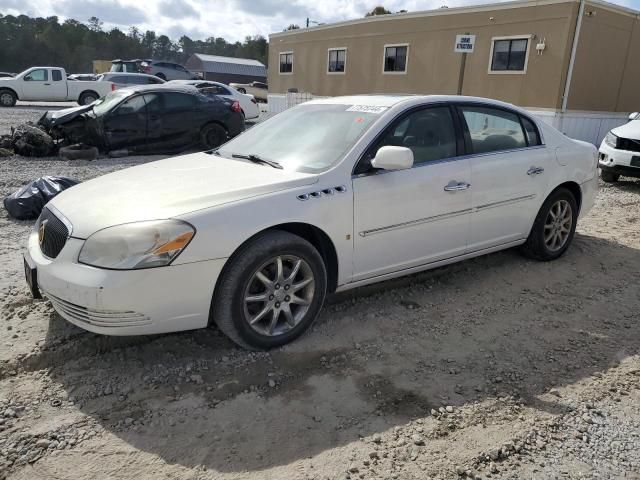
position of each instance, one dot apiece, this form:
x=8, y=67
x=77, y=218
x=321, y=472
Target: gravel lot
x=498, y=367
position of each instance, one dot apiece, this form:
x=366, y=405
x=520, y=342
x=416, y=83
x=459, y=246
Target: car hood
x=628, y=130
x=169, y=188
x=51, y=118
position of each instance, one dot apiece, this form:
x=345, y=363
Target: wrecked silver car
x=148, y=119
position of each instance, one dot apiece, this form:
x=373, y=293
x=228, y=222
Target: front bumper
x=132, y=302
x=617, y=161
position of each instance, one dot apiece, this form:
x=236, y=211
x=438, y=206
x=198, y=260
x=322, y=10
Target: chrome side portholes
x=321, y=193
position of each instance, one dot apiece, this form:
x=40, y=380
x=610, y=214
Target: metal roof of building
x=232, y=65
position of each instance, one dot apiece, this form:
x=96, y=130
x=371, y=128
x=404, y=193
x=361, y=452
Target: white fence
x=591, y=127
x=588, y=126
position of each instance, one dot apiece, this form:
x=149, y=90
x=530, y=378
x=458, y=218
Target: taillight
x=235, y=107
x=113, y=87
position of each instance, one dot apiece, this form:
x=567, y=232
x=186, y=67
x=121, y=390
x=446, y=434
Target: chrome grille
x=52, y=233
x=98, y=318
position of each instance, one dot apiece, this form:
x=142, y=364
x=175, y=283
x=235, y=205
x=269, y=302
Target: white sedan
x=327, y=196
x=247, y=102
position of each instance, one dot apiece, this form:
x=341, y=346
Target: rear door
x=58, y=85
x=509, y=174
x=126, y=125
x=178, y=123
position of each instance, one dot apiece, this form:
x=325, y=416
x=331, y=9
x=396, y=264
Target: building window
x=286, y=62
x=337, y=60
x=509, y=55
x=395, y=58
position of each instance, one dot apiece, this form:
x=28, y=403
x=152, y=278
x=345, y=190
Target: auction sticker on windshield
x=366, y=109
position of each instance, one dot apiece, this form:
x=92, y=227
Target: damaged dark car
x=148, y=119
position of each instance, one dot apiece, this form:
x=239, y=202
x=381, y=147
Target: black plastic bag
x=28, y=202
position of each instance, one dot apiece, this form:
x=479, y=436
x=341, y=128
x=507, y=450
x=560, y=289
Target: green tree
x=379, y=10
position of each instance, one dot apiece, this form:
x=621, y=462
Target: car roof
x=160, y=88
x=126, y=74
x=391, y=100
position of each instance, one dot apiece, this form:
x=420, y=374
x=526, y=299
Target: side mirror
x=393, y=158
x=633, y=116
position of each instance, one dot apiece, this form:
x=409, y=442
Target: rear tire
x=609, y=177
x=213, y=135
x=7, y=98
x=259, y=302
x=242, y=90
x=87, y=98
x=553, y=228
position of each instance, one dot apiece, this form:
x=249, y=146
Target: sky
x=230, y=19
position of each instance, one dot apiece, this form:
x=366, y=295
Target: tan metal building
x=558, y=56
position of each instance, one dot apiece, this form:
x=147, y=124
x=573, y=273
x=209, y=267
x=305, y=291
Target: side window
x=531, y=131
x=178, y=101
x=133, y=105
x=492, y=129
x=153, y=102
x=429, y=133
x=40, y=75
x=56, y=75
x=286, y=62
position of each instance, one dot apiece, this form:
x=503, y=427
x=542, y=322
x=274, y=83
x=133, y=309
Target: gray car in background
x=160, y=69
x=124, y=79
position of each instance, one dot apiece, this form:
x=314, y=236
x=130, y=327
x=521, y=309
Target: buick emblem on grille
x=41, y=231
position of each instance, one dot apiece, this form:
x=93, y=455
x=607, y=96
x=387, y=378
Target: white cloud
x=230, y=19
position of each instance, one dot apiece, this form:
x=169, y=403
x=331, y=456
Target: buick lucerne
x=323, y=197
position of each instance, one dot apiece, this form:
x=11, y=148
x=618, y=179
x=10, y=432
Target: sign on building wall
x=465, y=43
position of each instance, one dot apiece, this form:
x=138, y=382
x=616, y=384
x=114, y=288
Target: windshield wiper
x=257, y=159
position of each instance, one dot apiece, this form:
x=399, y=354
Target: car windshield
x=104, y=104
x=306, y=138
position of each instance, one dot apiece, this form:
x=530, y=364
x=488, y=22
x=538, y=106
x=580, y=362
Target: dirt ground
x=498, y=367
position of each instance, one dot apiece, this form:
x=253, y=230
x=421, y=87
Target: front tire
x=609, y=177
x=8, y=98
x=271, y=291
x=554, y=227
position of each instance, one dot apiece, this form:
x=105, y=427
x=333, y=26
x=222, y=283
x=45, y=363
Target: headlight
x=137, y=245
x=611, y=140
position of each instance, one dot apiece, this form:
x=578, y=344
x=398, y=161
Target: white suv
x=620, y=151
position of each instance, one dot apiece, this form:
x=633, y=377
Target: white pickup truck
x=50, y=84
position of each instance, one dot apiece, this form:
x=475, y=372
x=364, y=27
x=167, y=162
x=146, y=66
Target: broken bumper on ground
x=131, y=302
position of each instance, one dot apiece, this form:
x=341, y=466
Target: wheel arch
x=574, y=188
x=314, y=235
x=9, y=89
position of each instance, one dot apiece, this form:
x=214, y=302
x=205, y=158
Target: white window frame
x=384, y=58
x=526, y=57
x=280, y=62
x=333, y=49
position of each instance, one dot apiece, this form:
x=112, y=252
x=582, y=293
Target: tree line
x=73, y=45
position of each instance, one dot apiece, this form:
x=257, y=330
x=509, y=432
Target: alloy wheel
x=278, y=295
x=6, y=99
x=557, y=227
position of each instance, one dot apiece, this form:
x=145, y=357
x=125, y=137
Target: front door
x=126, y=125
x=175, y=122
x=509, y=173
x=36, y=85
x=408, y=218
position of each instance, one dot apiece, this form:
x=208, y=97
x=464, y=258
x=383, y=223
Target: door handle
x=47, y=84
x=535, y=171
x=454, y=186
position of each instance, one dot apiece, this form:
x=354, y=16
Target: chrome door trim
x=450, y=159
x=412, y=223
x=444, y=216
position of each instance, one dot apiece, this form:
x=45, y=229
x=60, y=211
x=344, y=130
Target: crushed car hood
x=169, y=188
x=628, y=130
x=51, y=118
